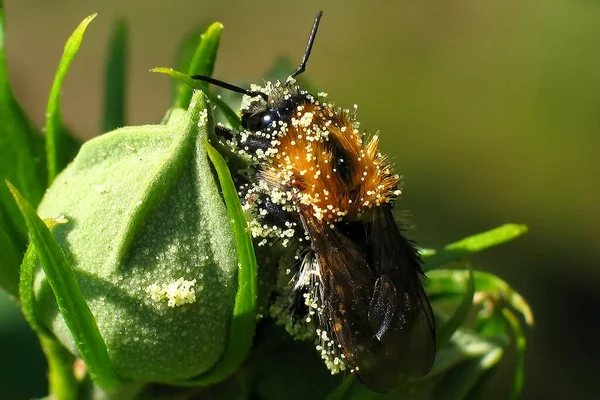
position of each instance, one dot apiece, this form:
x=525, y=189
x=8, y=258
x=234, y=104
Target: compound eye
x=260, y=121
x=267, y=119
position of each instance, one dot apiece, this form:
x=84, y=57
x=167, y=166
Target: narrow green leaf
x=115, y=85
x=202, y=63
x=445, y=332
x=71, y=302
x=26, y=293
x=489, y=283
x=27, y=277
x=464, y=345
x=229, y=114
x=10, y=257
x=490, y=321
x=56, y=134
x=243, y=324
x=19, y=161
x=185, y=53
x=441, y=283
x=472, y=244
x=459, y=382
x=521, y=346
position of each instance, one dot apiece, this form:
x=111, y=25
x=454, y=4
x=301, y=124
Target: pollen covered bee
x=322, y=187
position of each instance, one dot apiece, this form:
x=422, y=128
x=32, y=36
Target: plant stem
x=128, y=391
x=61, y=378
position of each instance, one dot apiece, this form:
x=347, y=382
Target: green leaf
x=492, y=285
x=243, y=324
x=494, y=317
x=465, y=345
x=26, y=281
x=26, y=293
x=57, y=137
x=229, y=114
x=442, y=283
x=69, y=298
x=472, y=244
x=467, y=283
x=461, y=365
x=18, y=162
x=10, y=257
x=459, y=382
x=185, y=53
x=115, y=84
x=202, y=63
x=521, y=346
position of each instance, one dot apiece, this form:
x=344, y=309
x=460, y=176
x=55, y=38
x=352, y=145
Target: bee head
x=263, y=108
x=267, y=114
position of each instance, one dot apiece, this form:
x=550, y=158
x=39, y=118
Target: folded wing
x=374, y=301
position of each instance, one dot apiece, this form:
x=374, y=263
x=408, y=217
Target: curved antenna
x=309, y=45
x=229, y=86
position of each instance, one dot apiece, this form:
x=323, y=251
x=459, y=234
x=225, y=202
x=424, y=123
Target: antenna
x=229, y=86
x=309, y=45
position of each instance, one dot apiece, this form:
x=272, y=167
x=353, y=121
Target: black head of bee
x=272, y=108
x=266, y=116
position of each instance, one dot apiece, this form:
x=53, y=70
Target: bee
x=325, y=187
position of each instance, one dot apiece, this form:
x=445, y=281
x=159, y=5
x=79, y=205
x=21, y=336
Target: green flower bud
x=151, y=245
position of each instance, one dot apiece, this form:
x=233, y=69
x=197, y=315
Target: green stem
x=128, y=391
x=61, y=378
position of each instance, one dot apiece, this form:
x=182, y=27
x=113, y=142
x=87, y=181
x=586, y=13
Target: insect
x=324, y=187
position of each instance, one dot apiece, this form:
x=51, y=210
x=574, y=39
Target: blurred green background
x=491, y=110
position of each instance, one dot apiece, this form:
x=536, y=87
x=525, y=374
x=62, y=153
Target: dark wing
x=410, y=337
x=376, y=308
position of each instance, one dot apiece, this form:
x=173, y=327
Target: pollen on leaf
x=203, y=118
x=61, y=219
x=175, y=293
x=100, y=189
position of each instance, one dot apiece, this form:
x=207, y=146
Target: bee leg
x=224, y=132
x=277, y=216
x=250, y=144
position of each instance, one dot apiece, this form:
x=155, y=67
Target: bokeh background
x=491, y=111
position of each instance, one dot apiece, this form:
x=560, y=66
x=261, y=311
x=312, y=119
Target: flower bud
x=151, y=245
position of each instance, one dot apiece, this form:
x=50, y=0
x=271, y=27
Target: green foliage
x=19, y=163
x=116, y=75
x=202, y=62
x=59, y=145
x=71, y=303
x=472, y=244
x=229, y=114
x=144, y=267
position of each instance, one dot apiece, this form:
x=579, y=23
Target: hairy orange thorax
x=325, y=167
